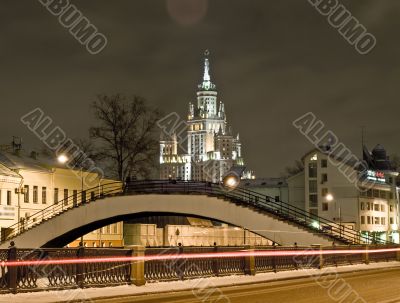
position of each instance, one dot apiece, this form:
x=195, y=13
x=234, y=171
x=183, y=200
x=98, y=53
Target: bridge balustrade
x=27, y=272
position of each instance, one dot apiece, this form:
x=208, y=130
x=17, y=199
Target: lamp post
x=329, y=198
x=64, y=159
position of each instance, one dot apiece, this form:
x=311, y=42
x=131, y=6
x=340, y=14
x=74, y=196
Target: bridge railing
x=76, y=200
x=250, y=198
x=25, y=270
x=239, y=195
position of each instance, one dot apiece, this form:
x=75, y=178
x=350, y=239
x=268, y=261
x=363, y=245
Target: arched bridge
x=283, y=223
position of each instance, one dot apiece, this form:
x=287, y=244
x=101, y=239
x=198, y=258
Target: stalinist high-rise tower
x=209, y=149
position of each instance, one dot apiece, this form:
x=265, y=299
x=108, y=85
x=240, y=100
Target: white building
x=208, y=149
x=289, y=190
x=369, y=205
x=30, y=183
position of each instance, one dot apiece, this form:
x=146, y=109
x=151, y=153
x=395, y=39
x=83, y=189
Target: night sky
x=272, y=62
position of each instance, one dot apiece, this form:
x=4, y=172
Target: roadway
x=373, y=286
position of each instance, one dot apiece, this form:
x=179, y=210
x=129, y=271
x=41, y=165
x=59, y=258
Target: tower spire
x=206, y=77
x=206, y=84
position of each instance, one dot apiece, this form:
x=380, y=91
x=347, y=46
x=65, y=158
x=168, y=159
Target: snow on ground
x=151, y=288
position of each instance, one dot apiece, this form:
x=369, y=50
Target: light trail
x=243, y=253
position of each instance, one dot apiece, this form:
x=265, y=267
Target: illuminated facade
x=209, y=149
x=30, y=183
x=369, y=205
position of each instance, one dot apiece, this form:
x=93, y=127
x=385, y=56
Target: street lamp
x=64, y=159
x=329, y=198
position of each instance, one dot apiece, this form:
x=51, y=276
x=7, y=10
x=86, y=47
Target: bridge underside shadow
x=68, y=226
x=72, y=235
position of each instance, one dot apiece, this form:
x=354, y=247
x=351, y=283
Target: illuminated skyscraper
x=208, y=149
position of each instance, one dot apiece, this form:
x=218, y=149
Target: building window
x=312, y=170
x=56, y=196
x=324, y=177
x=312, y=186
x=368, y=206
x=391, y=220
x=376, y=193
x=391, y=208
x=314, y=212
x=324, y=163
x=44, y=195
x=313, y=200
x=362, y=206
x=383, y=221
x=362, y=219
x=376, y=221
x=368, y=220
x=35, y=194
x=75, y=197
x=324, y=192
x=65, y=196
x=324, y=206
x=382, y=207
x=376, y=207
x=9, y=197
x=26, y=193
x=116, y=228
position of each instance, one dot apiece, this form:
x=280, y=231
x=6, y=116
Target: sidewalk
x=175, y=286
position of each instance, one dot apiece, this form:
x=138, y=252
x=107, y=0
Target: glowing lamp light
x=231, y=181
x=62, y=159
x=329, y=197
x=315, y=224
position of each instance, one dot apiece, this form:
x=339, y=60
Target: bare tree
x=295, y=169
x=125, y=134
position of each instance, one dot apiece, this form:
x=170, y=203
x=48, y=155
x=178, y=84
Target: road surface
x=374, y=286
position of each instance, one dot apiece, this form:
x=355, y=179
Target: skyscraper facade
x=208, y=150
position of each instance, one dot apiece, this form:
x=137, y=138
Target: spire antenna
x=207, y=84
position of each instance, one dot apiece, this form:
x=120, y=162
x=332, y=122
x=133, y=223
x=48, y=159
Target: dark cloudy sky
x=271, y=60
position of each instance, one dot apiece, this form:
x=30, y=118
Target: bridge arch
x=67, y=226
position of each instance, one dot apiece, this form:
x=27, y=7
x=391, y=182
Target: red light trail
x=260, y=253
